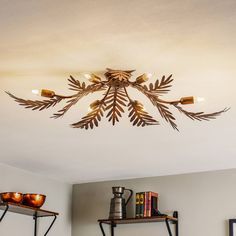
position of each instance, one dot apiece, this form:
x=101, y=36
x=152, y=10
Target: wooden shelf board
x=26, y=210
x=138, y=220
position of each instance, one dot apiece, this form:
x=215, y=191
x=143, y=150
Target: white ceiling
x=42, y=42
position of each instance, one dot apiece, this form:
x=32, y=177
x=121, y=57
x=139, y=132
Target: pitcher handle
x=131, y=194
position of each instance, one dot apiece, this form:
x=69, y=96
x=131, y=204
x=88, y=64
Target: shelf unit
x=167, y=219
x=29, y=211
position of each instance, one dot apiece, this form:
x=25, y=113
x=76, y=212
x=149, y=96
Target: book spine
x=154, y=203
x=145, y=205
x=137, y=211
x=149, y=198
x=141, y=204
x=154, y=194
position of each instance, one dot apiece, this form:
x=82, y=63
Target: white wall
x=58, y=200
x=205, y=202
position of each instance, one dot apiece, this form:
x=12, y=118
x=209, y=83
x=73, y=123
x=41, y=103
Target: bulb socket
x=94, y=104
x=187, y=100
x=142, y=78
x=139, y=105
x=95, y=79
x=47, y=93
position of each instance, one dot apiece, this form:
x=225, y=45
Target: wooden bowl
x=34, y=200
x=12, y=197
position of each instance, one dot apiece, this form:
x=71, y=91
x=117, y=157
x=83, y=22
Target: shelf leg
x=101, y=227
x=112, y=228
x=168, y=227
x=55, y=217
x=35, y=225
x=177, y=228
x=4, y=213
x=176, y=215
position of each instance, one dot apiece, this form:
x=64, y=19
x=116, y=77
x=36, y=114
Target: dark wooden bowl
x=34, y=200
x=12, y=197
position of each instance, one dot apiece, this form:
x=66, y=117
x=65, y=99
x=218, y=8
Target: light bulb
x=200, y=99
x=87, y=76
x=36, y=91
x=148, y=75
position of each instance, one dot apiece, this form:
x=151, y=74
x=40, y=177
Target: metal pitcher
x=118, y=203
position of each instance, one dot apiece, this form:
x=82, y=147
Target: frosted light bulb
x=87, y=76
x=200, y=99
x=148, y=75
x=36, y=91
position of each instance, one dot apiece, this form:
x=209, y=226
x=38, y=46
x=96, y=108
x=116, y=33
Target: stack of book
x=146, y=204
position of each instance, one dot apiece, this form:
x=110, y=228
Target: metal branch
x=93, y=117
x=37, y=104
x=200, y=116
x=87, y=90
x=163, y=109
x=149, y=94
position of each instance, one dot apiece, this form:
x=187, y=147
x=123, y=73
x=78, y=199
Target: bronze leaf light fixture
x=116, y=98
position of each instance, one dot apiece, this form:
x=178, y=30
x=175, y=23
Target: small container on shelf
x=13, y=197
x=34, y=200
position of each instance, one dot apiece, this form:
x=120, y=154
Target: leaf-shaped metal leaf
x=36, y=104
x=91, y=119
x=140, y=117
x=115, y=103
x=200, y=116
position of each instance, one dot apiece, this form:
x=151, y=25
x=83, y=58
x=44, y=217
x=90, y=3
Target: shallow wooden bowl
x=34, y=200
x=12, y=197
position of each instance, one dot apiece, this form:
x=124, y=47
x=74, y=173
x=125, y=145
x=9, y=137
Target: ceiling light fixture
x=115, y=98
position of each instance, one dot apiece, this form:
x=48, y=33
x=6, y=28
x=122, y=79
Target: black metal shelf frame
x=35, y=217
x=113, y=224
